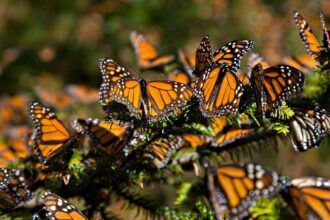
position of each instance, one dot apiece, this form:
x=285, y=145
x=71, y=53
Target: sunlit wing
x=59, y=209
x=234, y=189
x=164, y=97
x=111, y=72
x=50, y=136
x=307, y=36
x=219, y=92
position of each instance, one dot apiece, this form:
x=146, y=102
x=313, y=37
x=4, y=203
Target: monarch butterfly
x=50, y=136
x=309, y=197
x=203, y=60
x=274, y=85
x=308, y=127
x=152, y=100
x=234, y=189
x=188, y=62
x=304, y=63
x=59, y=209
x=310, y=41
x=109, y=137
x=58, y=100
x=13, y=189
x=179, y=76
x=219, y=91
x=147, y=56
x=159, y=151
x=82, y=93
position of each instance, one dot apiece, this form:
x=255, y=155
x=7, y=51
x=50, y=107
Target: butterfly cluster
x=205, y=106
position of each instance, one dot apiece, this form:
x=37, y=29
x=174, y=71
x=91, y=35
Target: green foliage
x=267, y=209
x=183, y=193
x=200, y=211
x=200, y=128
x=75, y=164
x=281, y=128
x=284, y=112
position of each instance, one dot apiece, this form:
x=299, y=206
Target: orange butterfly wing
x=109, y=137
x=59, y=209
x=179, y=76
x=219, y=92
x=311, y=43
x=234, y=189
x=232, y=53
x=111, y=72
x=275, y=84
x=304, y=63
x=50, y=136
x=310, y=197
x=164, y=97
x=146, y=53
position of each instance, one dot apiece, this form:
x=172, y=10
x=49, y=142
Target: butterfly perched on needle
x=320, y=53
x=159, y=151
x=308, y=127
x=309, y=197
x=234, y=189
x=50, y=136
x=60, y=209
x=149, y=100
x=219, y=91
x=147, y=56
x=274, y=85
x=109, y=137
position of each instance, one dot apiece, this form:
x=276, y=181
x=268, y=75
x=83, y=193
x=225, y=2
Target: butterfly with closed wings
x=109, y=137
x=308, y=127
x=50, y=136
x=320, y=53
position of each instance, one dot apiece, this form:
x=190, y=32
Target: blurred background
x=50, y=44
